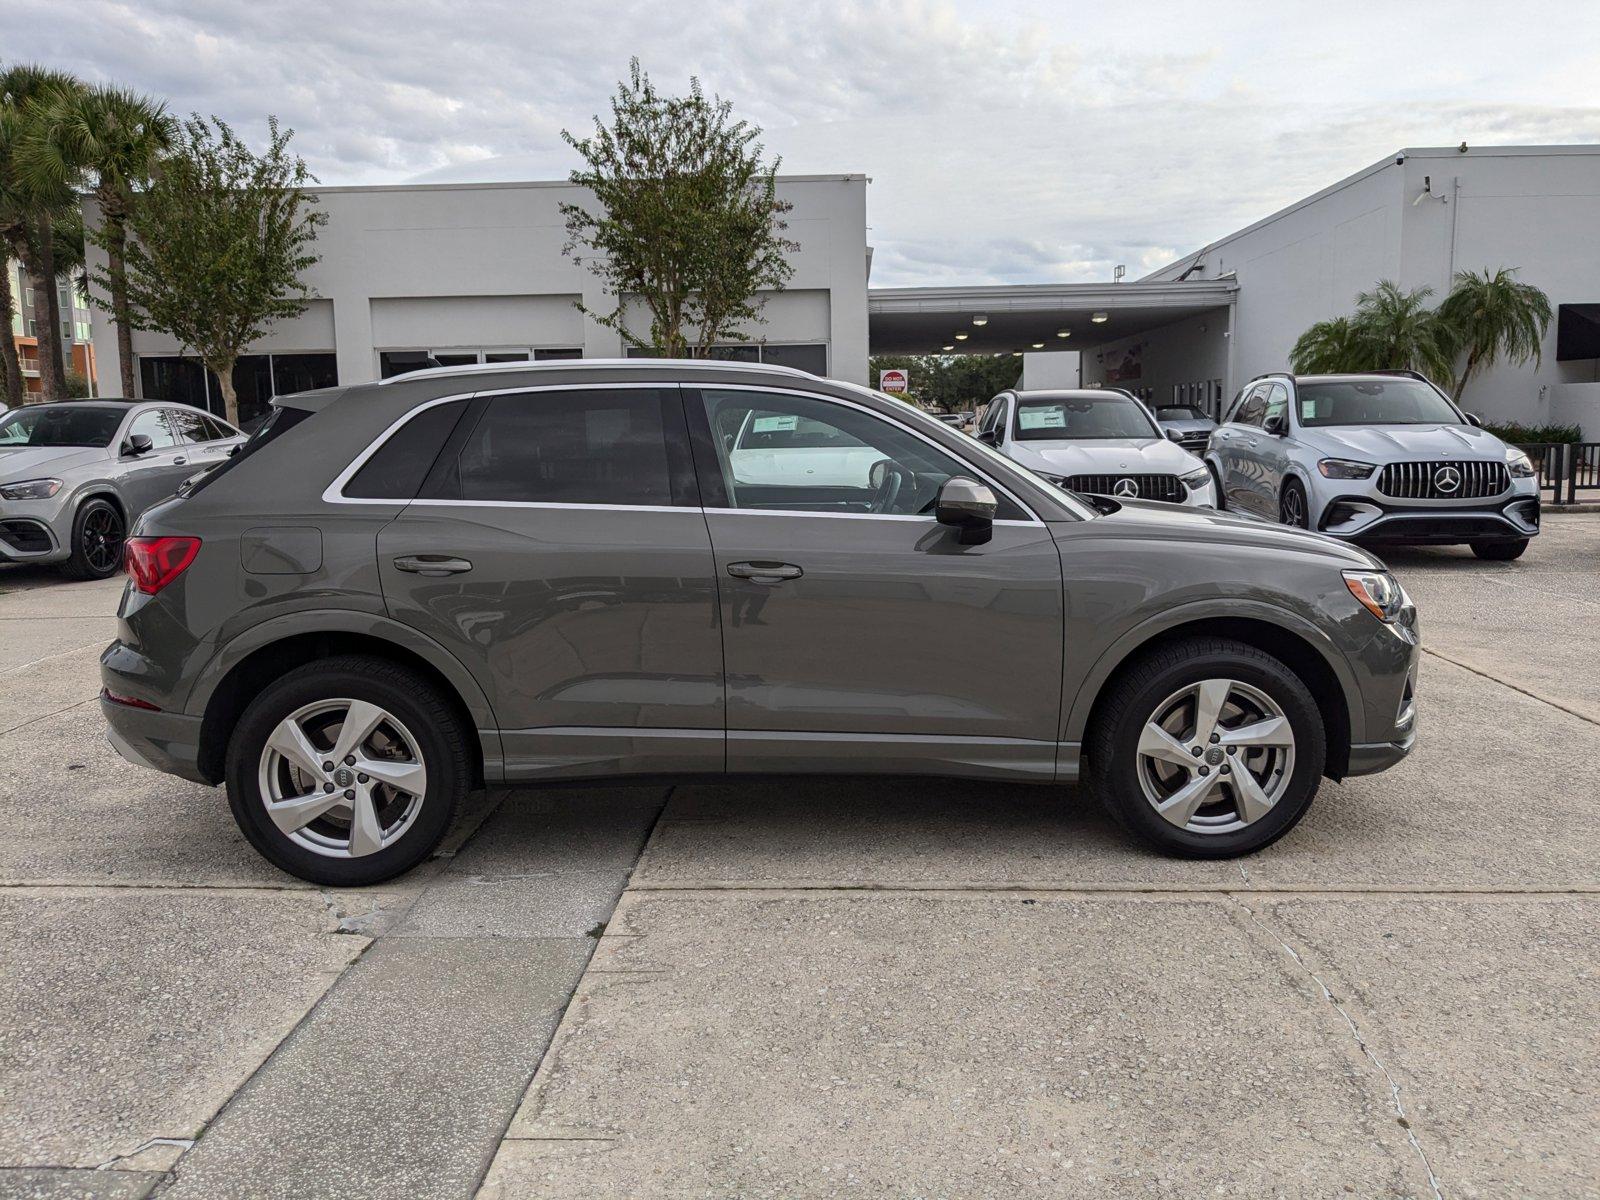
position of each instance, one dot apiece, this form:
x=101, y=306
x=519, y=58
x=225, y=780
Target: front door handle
x=432, y=564
x=764, y=572
x=179, y=461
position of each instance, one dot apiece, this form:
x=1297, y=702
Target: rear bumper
x=162, y=741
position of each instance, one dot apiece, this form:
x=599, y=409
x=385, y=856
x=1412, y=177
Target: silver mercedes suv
x=1382, y=457
x=523, y=572
x=74, y=474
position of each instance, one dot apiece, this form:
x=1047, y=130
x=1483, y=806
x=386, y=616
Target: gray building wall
x=1417, y=221
x=480, y=266
x=1185, y=362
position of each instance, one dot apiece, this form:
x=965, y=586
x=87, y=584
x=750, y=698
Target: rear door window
x=606, y=446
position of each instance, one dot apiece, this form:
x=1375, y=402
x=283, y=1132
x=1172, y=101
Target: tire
x=1499, y=551
x=98, y=531
x=1130, y=785
x=1216, y=486
x=1293, y=510
x=400, y=825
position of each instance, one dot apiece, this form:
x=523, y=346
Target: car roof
x=1070, y=393
x=570, y=364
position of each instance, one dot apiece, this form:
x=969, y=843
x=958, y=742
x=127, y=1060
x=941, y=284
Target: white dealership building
x=464, y=272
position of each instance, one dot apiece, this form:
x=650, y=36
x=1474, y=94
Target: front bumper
x=1512, y=517
x=27, y=539
x=1369, y=758
x=162, y=741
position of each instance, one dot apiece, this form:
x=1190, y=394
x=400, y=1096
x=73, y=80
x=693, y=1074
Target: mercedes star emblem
x=1125, y=487
x=1447, y=479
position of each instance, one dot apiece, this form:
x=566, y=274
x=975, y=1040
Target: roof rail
x=1401, y=371
x=1273, y=375
x=567, y=364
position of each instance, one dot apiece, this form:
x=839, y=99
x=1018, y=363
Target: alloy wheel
x=1215, y=756
x=1293, y=508
x=342, y=778
x=102, y=539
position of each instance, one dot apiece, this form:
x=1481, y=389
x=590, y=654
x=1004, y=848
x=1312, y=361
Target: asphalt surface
x=826, y=988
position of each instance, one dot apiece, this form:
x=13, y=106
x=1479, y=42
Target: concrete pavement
x=835, y=988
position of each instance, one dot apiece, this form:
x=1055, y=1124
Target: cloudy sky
x=1010, y=141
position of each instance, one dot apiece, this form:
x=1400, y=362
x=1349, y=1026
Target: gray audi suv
x=514, y=573
x=1383, y=457
x=75, y=473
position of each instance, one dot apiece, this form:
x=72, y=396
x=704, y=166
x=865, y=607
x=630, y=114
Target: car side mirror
x=969, y=507
x=137, y=444
x=989, y=437
x=1472, y=419
x=1174, y=436
x=1277, y=425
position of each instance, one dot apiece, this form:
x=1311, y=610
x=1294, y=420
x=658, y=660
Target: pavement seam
x=170, y=1177
x=561, y=1016
x=1556, y=704
x=1095, y=889
x=99, y=643
x=47, y=716
x=1361, y=1042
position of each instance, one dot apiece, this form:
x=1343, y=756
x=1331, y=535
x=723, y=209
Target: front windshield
x=1083, y=418
x=1375, y=402
x=1180, y=412
x=43, y=425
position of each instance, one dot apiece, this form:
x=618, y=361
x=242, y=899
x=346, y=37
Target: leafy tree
x=1490, y=315
x=1330, y=347
x=220, y=240
x=111, y=140
x=1390, y=330
x=688, y=223
x=951, y=382
x=32, y=200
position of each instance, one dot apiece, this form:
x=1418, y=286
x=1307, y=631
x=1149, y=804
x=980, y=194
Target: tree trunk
x=1466, y=374
x=52, y=374
x=16, y=388
x=117, y=269
x=230, y=398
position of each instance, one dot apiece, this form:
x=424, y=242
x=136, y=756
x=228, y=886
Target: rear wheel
x=1499, y=551
x=98, y=531
x=1207, y=748
x=347, y=771
x=1292, y=507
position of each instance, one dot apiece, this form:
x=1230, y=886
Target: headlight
x=1521, y=465
x=1344, y=468
x=1196, y=479
x=1378, y=591
x=30, y=489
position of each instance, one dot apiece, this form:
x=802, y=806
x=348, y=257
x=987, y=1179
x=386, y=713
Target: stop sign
x=894, y=380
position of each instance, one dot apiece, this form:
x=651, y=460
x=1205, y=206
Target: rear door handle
x=431, y=564
x=764, y=572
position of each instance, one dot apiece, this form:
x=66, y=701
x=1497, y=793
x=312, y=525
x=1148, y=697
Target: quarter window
x=574, y=447
x=398, y=467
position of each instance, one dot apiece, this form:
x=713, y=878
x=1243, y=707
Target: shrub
x=1532, y=435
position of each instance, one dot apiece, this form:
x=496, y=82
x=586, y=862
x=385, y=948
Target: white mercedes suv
x=1097, y=441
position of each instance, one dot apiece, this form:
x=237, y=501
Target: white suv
x=1097, y=441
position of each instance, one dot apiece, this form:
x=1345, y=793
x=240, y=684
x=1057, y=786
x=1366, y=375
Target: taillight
x=154, y=562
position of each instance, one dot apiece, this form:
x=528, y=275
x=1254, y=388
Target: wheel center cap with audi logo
x=344, y=777
x=1447, y=479
x=1125, y=487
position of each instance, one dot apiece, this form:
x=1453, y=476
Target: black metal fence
x=1566, y=470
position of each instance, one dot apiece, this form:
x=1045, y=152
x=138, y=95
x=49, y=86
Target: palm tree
x=1402, y=333
x=117, y=137
x=1330, y=347
x=1490, y=315
x=31, y=201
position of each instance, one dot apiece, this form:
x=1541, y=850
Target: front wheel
x=347, y=771
x=97, y=536
x=1216, y=486
x=1207, y=748
x=1499, y=551
x=1292, y=507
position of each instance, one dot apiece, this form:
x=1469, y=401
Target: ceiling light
x=1063, y=333
x=980, y=319
x=1099, y=318
x=1016, y=354
x=1038, y=345
x=948, y=348
x=961, y=337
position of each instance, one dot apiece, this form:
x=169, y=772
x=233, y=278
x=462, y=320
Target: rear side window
x=398, y=467
x=607, y=446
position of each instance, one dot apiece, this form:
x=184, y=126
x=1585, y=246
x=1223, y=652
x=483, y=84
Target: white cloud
x=1012, y=140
